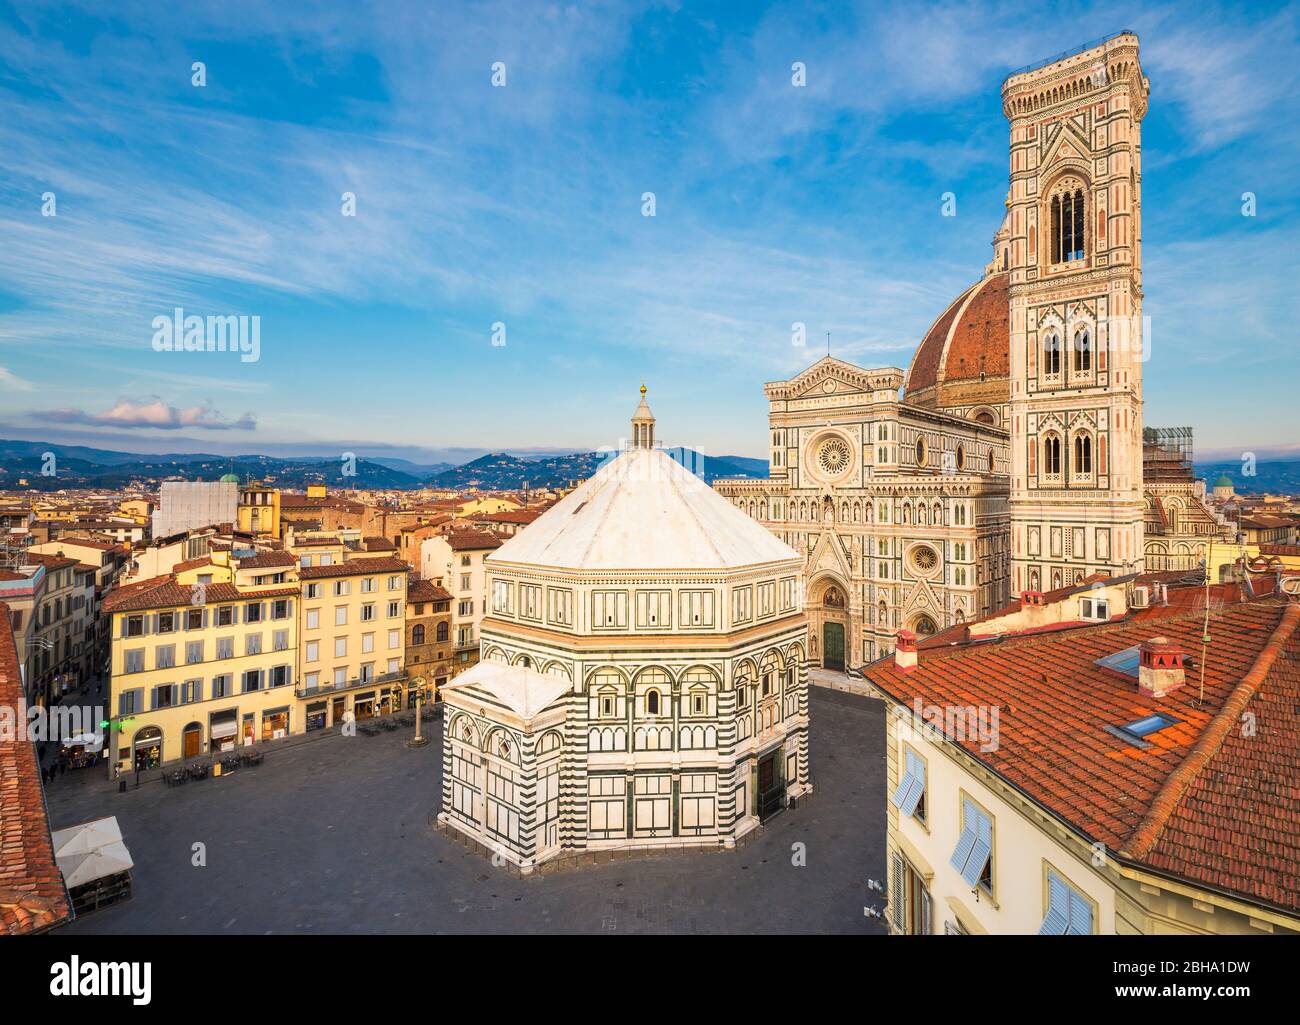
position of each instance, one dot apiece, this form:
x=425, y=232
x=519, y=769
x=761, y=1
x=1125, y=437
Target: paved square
x=336, y=836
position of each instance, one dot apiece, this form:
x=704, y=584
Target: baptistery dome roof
x=644, y=511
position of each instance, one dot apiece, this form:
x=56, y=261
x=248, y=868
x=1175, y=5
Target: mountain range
x=78, y=466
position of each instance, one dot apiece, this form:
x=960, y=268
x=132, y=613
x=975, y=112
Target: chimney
x=1160, y=667
x=905, y=651
x=1032, y=598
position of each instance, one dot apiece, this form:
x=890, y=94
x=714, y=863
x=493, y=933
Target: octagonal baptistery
x=643, y=679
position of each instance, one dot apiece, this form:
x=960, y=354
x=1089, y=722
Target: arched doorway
x=834, y=621
x=924, y=626
x=147, y=748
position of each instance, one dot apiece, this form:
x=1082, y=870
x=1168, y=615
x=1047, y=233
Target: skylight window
x=1125, y=661
x=1151, y=724
x=1134, y=732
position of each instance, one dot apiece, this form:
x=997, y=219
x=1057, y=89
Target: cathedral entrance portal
x=833, y=646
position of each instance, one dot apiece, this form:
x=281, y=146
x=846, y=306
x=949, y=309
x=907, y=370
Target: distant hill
x=79, y=466
x=1279, y=475
x=500, y=471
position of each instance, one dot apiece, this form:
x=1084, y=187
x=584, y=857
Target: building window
x=1067, y=226
x=1052, y=355
x=909, y=796
x=973, y=856
x=1082, y=454
x=1082, y=351
x=1052, y=456
x=1069, y=912
x=652, y=702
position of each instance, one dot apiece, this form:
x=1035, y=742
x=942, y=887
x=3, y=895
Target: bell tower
x=1074, y=233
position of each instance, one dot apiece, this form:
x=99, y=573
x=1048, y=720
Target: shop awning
x=224, y=729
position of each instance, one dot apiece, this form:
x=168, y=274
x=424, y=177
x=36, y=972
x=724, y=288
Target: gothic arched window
x=1052, y=354
x=1082, y=454
x=1067, y=225
x=1052, y=456
x=1082, y=351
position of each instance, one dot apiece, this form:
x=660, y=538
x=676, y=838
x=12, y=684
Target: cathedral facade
x=1010, y=458
x=899, y=509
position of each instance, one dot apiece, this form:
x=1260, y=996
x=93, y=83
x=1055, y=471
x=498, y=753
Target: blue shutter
x=1057, y=919
x=982, y=850
x=961, y=855
x=1080, y=915
x=896, y=891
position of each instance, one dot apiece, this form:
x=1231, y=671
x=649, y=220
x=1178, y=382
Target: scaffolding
x=1167, y=453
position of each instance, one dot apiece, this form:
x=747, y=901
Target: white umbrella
x=79, y=869
x=85, y=838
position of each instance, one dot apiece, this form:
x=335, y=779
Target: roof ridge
x=1144, y=837
x=1041, y=636
x=690, y=507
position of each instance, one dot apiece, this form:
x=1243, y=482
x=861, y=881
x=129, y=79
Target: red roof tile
x=1202, y=801
x=32, y=895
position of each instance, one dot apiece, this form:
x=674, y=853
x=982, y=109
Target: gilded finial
x=643, y=388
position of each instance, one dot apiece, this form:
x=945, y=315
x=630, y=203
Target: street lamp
x=418, y=685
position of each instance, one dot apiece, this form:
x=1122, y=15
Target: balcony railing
x=304, y=691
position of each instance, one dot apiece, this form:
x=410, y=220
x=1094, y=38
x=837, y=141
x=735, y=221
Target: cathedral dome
x=964, y=359
x=644, y=511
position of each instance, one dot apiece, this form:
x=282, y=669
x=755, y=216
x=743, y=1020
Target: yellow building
x=474, y=506
x=259, y=510
x=353, y=639
x=203, y=659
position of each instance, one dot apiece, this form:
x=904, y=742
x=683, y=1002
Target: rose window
x=834, y=456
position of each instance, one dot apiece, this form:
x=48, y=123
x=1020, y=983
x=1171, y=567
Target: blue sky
x=523, y=205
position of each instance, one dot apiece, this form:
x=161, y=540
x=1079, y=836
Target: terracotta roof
x=378, y=544
x=165, y=593
x=263, y=560
x=520, y=516
x=88, y=542
x=1199, y=801
x=469, y=540
x=419, y=589
x=32, y=894
x=189, y=564
x=355, y=567
x=51, y=562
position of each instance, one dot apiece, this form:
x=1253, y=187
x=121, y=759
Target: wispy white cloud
x=152, y=414
x=11, y=382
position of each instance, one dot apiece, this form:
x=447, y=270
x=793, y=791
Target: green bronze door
x=833, y=646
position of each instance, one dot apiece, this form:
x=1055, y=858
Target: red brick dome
x=970, y=344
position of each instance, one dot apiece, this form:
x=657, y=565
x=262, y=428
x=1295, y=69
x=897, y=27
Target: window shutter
x=1080, y=915
x=896, y=891
x=925, y=912
x=1056, y=921
x=205, y=619
x=125, y=621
